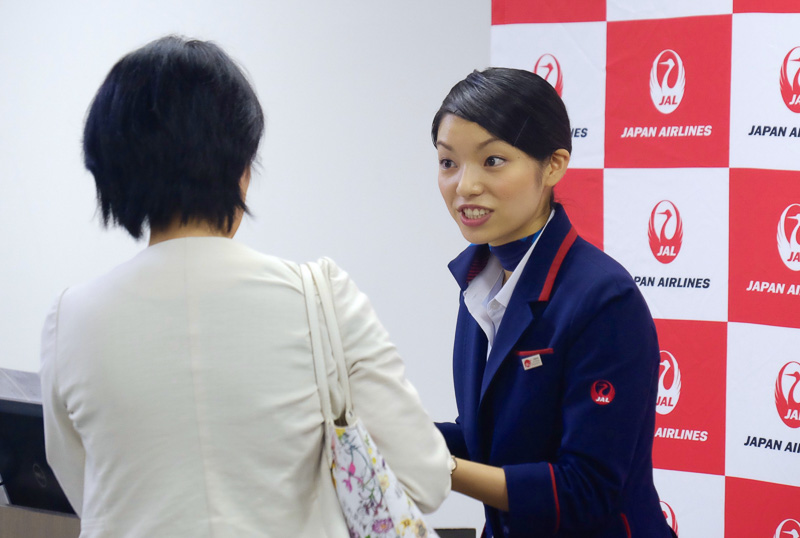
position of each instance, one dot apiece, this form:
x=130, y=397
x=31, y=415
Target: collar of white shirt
x=487, y=298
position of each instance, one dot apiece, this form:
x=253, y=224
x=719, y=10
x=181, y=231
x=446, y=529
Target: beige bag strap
x=323, y=285
x=317, y=350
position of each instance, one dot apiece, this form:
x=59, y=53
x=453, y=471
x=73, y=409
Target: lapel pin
x=533, y=358
x=532, y=361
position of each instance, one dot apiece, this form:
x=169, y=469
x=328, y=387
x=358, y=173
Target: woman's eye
x=446, y=164
x=494, y=161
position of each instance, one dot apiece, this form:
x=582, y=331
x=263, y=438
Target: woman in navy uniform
x=556, y=358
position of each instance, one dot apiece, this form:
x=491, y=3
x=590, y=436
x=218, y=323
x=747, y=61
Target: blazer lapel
x=535, y=285
x=469, y=359
x=468, y=373
x=469, y=264
x=517, y=318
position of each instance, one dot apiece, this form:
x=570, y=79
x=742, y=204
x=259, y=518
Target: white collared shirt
x=487, y=298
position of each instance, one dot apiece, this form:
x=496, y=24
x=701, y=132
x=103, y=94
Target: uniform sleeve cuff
x=454, y=438
x=532, y=498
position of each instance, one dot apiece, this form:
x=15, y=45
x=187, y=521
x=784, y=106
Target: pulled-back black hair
x=169, y=134
x=516, y=106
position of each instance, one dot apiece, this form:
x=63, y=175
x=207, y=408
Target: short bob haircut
x=170, y=133
x=516, y=106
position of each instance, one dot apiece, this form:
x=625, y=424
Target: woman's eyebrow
x=487, y=142
x=479, y=146
x=445, y=146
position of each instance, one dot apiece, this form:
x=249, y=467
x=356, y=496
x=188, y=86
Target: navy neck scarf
x=512, y=253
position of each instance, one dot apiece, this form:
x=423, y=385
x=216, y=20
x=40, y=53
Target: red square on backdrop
x=764, y=272
x=668, y=92
x=766, y=6
x=754, y=508
x=690, y=412
x=580, y=191
x=525, y=11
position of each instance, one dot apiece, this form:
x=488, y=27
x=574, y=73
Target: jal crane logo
x=787, y=394
x=666, y=242
x=669, y=373
x=548, y=68
x=602, y=392
x=667, y=81
x=790, y=80
x=788, y=245
x=669, y=515
x=789, y=528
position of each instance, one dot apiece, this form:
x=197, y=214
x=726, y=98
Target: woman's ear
x=556, y=167
x=244, y=182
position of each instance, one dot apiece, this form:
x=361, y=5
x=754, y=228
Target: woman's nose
x=469, y=183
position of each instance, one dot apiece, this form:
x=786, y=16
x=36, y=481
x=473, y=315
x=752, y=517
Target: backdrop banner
x=686, y=169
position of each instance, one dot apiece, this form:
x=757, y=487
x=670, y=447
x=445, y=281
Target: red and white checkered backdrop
x=686, y=169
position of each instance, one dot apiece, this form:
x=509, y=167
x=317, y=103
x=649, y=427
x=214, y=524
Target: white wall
x=347, y=167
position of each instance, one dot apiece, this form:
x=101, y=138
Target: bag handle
x=317, y=350
x=337, y=348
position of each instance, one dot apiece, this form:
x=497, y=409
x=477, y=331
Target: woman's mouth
x=474, y=216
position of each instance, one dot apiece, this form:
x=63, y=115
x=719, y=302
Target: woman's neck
x=193, y=228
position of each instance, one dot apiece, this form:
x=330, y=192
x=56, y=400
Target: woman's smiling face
x=494, y=191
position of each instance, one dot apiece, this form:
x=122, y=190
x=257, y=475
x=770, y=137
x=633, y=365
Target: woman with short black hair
x=170, y=134
x=178, y=390
x=556, y=359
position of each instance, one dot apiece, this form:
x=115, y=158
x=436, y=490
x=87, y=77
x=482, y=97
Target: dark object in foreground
x=26, y=476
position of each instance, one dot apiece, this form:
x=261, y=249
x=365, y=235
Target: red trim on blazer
x=479, y=263
x=551, y=275
x=473, y=272
x=555, y=496
x=547, y=351
x=627, y=527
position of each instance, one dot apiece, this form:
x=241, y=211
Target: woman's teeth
x=471, y=213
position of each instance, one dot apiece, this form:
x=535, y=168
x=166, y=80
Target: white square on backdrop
x=694, y=283
x=757, y=105
x=756, y=355
x=696, y=502
x=627, y=10
x=582, y=66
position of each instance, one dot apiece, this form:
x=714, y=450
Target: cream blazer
x=180, y=401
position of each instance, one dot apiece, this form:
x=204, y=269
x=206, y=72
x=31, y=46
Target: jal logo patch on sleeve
x=602, y=392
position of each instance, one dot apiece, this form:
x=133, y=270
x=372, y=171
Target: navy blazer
x=574, y=434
